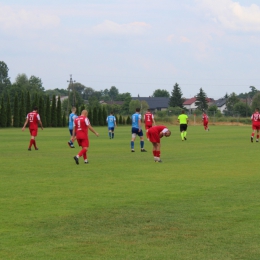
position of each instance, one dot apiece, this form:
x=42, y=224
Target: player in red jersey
x=34, y=119
x=205, y=120
x=81, y=125
x=154, y=135
x=149, y=121
x=255, y=124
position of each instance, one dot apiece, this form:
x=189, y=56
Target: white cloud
x=109, y=27
x=232, y=15
x=15, y=18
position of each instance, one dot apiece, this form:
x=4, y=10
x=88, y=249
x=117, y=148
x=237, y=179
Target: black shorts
x=183, y=127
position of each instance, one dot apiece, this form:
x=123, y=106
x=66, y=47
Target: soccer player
x=205, y=120
x=148, y=121
x=72, y=117
x=137, y=130
x=34, y=119
x=111, y=123
x=183, y=120
x=81, y=125
x=255, y=124
x=154, y=135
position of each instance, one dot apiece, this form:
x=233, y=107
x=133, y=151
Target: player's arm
x=139, y=124
x=92, y=130
x=40, y=122
x=25, y=123
x=187, y=120
x=115, y=122
x=153, y=120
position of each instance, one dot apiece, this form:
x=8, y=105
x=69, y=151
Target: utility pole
x=71, y=81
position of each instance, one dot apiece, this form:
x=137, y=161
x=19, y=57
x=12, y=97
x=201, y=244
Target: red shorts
x=83, y=142
x=205, y=123
x=34, y=132
x=153, y=137
x=148, y=127
x=256, y=127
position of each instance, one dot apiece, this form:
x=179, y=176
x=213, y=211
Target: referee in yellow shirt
x=183, y=120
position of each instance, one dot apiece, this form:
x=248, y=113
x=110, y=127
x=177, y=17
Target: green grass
x=202, y=202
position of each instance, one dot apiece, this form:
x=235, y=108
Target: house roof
x=154, y=102
x=220, y=102
x=192, y=100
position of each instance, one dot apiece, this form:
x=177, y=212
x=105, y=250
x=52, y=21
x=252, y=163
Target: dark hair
x=137, y=109
x=35, y=108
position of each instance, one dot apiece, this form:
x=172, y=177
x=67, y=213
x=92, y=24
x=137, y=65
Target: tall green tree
x=22, y=110
x=104, y=115
x=256, y=102
x=59, y=113
x=3, y=113
x=28, y=103
x=4, y=79
x=42, y=110
x=95, y=116
x=113, y=92
x=53, y=112
x=176, y=99
x=48, y=111
x=8, y=112
x=16, y=115
x=231, y=101
x=201, y=100
x=90, y=115
x=100, y=116
x=242, y=109
x=161, y=93
x=64, y=119
x=35, y=102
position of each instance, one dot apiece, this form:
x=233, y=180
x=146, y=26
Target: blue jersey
x=135, y=119
x=72, y=116
x=111, y=121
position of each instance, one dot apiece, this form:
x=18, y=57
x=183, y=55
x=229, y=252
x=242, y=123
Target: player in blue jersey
x=72, y=116
x=137, y=130
x=111, y=123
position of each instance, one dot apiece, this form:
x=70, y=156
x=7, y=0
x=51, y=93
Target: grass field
x=202, y=202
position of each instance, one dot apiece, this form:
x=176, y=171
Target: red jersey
x=205, y=117
x=148, y=119
x=158, y=129
x=255, y=118
x=81, y=124
x=154, y=133
x=33, y=119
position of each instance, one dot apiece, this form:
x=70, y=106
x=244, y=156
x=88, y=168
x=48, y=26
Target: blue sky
x=137, y=46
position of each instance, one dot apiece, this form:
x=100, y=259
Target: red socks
x=82, y=152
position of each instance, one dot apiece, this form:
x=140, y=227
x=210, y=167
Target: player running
x=148, y=121
x=255, y=125
x=111, y=123
x=205, y=120
x=183, y=120
x=80, y=129
x=137, y=130
x=72, y=117
x=154, y=135
x=34, y=119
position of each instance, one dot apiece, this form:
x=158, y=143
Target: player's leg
x=140, y=133
x=31, y=143
x=132, y=144
x=253, y=133
x=257, y=135
x=182, y=132
x=112, y=133
x=185, y=132
x=70, y=142
x=158, y=152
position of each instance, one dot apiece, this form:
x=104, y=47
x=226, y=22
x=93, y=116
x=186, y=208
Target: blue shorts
x=111, y=128
x=137, y=132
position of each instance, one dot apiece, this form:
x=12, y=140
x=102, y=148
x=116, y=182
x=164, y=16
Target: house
x=221, y=104
x=120, y=103
x=191, y=106
x=155, y=103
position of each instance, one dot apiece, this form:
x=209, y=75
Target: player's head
x=73, y=109
x=168, y=133
x=84, y=112
x=35, y=109
x=183, y=111
x=257, y=109
x=111, y=113
x=137, y=109
x=148, y=110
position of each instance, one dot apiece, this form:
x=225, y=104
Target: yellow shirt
x=183, y=118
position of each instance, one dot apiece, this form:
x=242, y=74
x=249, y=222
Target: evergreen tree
x=28, y=103
x=64, y=119
x=59, y=114
x=100, y=116
x=78, y=111
x=2, y=113
x=82, y=107
x=120, y=120
x=123, y=121
x=104, y=115
x=90, y=115
x=48, y=112
x=95, y=116
x=53, y=112
x=22, y=110
x=201, y=100
x=176, y=97
x=116, y=119
x=42, y=111
x=35, y=102
x=231, y=101
x=128, y=120
x=8, y=113
x=16, y=116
